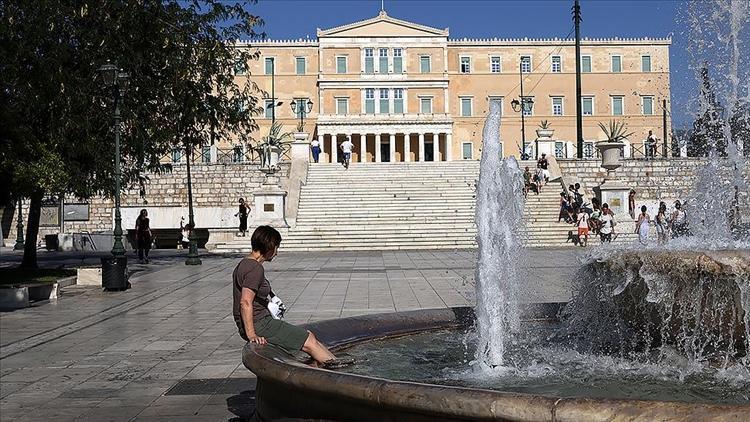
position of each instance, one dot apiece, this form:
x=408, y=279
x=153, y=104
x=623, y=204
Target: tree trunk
x=32, y=231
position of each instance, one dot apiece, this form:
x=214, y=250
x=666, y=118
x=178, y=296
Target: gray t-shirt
x=249, y=274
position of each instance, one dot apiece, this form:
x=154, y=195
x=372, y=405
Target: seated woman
x=252, y=293
x=566, y=210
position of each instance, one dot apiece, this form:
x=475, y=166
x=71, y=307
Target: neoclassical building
x=408, y=92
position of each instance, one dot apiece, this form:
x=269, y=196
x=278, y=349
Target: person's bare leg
x=316, y=349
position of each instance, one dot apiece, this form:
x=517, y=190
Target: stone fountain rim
x=309, y=391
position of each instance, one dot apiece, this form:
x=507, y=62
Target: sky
x=503, y=19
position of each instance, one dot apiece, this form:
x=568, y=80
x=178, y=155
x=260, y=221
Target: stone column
x=407, y=147
x=377, y=147
x=436, y=146
x=334, y=148
x=421, y=147
x=362, y=147
x=322, y=150
x=392, y=147
x=448, y=147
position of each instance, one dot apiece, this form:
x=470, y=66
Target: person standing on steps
x=662, y=226
x=543, y=164
x=539, y=180
x=346, y=147
x=242, y=214
x=527, y=183
x=607, y=222
x=583, y=228
x=252, y=299
x=315, y=147
x=143, y=236
x=642, y=226
x=631, y=203
x=679, y=222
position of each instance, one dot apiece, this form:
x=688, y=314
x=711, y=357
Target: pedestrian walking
x=143, y=236
x=539, y=180
x=543, y=164
x=346, y=147
x=242, y=213
x=258, y=311
x=315, y=147
x=642, y=226
x=662, y=225
x=631, y=203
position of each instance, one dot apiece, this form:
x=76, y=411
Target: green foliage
x=739, y=125
x=544, y=124
x=276, y=137
x=179, y=55
x=57, y=133
x=616, y=131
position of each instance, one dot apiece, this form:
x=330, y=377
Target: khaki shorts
x=279, y=333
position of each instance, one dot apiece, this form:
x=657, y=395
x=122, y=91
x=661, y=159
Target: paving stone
x=174, y=335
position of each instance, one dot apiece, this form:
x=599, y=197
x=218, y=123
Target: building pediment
x=383, y=26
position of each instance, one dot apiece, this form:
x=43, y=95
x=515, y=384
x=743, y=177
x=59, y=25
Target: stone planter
x=610, y=152
x=270, y=156
x=544, y=133
x=274, y=154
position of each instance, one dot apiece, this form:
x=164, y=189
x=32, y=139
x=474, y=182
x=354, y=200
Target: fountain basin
x=288, y=388
x=692, y=301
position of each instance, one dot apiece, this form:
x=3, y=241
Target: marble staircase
x=392, y=206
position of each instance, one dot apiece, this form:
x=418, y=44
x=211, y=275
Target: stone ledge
x=20, y=296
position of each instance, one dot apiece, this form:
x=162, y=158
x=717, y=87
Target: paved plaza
x=168, y=348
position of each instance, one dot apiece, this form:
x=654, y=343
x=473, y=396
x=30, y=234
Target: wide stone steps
x=396, y=206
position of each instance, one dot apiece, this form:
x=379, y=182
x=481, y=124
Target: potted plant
x=544, y=131
x=272, y=146
x=616, y=132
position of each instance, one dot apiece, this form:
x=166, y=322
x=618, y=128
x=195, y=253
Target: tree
x=739, y=125
x=708, y=128
x=56, y=135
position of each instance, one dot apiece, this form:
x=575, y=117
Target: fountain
x=656, y=334
x=499, y=213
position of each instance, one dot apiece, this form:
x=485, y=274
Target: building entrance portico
x=388, y=147
x=390, y=142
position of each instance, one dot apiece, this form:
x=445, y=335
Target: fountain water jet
x=499, y=214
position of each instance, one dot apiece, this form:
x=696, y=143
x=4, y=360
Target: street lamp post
x=19, y=246
x=524, y=105
x=116, y=80
x=302, y=109
x=192, y=258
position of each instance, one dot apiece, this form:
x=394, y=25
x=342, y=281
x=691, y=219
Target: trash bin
x=115, y=273
x=51, y=242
